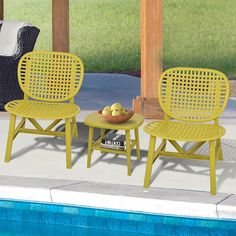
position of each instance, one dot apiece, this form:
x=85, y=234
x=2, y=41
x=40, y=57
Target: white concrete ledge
x=30, y=189
x=227, y=208
x=133, y=198
x=119, y=197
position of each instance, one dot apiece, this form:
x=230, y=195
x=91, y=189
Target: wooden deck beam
x=151, y=59
x=1, y=9
x=60, y=25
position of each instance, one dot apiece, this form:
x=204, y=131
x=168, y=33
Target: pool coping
x=120, y=197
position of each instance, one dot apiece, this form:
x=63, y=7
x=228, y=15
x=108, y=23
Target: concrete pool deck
x=179, y=187
x=101, y=89
x=119, y=197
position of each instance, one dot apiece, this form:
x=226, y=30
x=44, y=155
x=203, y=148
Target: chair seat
x=42, y=110
x=184, y=131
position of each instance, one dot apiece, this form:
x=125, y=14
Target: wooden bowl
x=117, y=119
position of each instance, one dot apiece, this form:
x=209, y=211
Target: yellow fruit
x=116, y=113
x=106, y=111
x=125, y=112
x=107, y=108
x=116, y=106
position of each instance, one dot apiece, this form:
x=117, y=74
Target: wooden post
x=1, y=9
x=60, y=25
x=151, y=59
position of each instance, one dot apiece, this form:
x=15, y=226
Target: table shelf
x=97, y=146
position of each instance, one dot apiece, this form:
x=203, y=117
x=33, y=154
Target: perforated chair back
x=193, y=94
x=50, y=76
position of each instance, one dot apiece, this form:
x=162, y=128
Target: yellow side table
x=95, y=120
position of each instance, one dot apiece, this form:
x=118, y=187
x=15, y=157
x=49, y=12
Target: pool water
x=30, y=218
x=10, y=228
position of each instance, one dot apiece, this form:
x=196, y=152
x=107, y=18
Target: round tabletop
x=96, y=120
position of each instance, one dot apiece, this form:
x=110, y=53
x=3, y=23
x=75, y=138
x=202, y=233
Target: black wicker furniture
x=9, y=87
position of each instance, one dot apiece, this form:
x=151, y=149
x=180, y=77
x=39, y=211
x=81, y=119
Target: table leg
x=102, y=132
x=102, y=135
x=137, y=143
x=90, y=143
x=128, y=150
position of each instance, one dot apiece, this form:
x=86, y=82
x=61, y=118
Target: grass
x=200, y=33
x=105, y=33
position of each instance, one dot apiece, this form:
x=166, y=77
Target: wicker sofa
x=9, y=87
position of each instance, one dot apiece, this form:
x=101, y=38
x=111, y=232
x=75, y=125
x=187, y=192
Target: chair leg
x=151, y=151
x=137, y=144
x=24, y=119
x=164, y=148
x=220, y=155
x=212, y=167
x=68, y=144
x=90, y=143
x=128, y=150
x=76, y=134
x=10, y=138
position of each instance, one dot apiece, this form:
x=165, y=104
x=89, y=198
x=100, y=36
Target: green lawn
x=105, y=33
x=200, y=33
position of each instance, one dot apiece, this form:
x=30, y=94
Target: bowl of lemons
x=116, y=113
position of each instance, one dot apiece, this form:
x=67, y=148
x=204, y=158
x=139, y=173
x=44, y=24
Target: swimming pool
x=30, y=218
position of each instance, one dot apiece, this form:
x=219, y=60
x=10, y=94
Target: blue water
x=13, y=228
x=29, y=218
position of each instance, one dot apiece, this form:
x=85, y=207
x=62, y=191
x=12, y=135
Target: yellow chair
x=192, y=100
x=49, y=80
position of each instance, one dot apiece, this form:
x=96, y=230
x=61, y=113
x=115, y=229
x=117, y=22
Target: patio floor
x=100, y=89
x=44, y=157
x=35, y=156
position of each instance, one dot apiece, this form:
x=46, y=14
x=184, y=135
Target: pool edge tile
x=190, y=204
x=227, y=208
x=32, y=189
x=120, y=197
